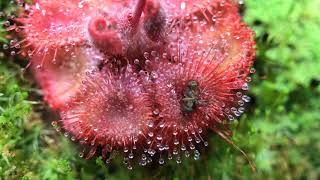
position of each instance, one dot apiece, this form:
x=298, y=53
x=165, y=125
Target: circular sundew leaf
x=110, y=113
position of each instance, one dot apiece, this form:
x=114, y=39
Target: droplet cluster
x=146, y=80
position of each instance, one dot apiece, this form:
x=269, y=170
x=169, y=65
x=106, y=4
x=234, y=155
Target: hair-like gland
x=111, y=113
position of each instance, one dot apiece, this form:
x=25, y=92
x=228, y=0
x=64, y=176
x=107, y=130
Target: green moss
x=14, y=110
x=280, y=131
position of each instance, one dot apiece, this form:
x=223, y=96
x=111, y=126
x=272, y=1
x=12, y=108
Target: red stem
x=137, y=13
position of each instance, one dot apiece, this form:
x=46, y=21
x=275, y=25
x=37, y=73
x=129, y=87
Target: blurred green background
x=280, y=131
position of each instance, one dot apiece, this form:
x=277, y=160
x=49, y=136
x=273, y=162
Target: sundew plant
x=148, y=89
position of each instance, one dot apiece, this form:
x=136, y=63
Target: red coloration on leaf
x=218, y=76
x=109, y=111
x=54, y=23
x=60, y=73
x=148, y=78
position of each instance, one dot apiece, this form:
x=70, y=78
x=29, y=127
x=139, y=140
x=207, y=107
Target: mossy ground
x=280, y=131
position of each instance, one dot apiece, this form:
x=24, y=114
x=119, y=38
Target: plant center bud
x=104, y=35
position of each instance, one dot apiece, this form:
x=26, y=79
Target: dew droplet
x=142, y=163
x=17, y=46
x=191, y=146
x=143, y=157
x=66, y=134
x=176, y=142
x=230, y=117
x=39, y=67
x=241, y=103
x=125, y=149
x=80, y=4
x=241, y=109
x=146, y=55
x=183, y=147
x=186, y=153
x=239, y=94
x=108, y=161
x=161, y=161
x=5, y=46
x=6, y=23
x=150, y=134
x=245, y=86
x=54, y=123
x=175, y=151
x=196, y=157
x=178, y=160
x=156, y=111
x=246, y=98
x=125, y=160
x=164, y=55
x=81, y=154
x=151, y=152
x=150, y=123
x=136, y=61
x=159, y=137
x=206, y=143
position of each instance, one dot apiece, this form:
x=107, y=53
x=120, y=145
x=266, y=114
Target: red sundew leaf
x=215, y=56
x=60, y=73
x=185, y=112
x=110, y=111
x=52, y=24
